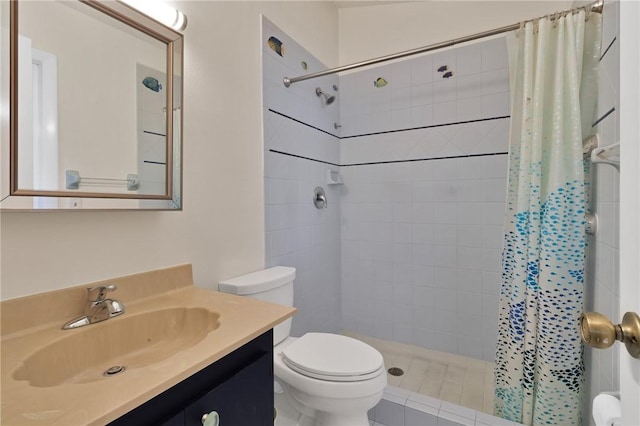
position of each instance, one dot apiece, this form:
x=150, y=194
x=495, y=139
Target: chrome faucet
x=97, y=308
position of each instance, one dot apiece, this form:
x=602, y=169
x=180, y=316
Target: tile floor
x=448, y=377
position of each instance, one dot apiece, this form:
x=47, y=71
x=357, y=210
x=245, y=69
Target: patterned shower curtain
x=539, y=368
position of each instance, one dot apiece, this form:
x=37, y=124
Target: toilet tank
x=274, y=285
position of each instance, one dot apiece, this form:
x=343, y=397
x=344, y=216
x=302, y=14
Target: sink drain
x=112, y=371
x=395, y=371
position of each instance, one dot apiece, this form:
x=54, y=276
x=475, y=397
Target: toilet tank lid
x=259, y=281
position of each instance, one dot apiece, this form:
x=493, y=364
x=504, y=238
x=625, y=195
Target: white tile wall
x=299, y=100
x=298, y=234
x=289, y=136
x=431, y=255
x=151, y=128
x=602, y=277
x=418, y=95
x=436, y=224
x=460, y=139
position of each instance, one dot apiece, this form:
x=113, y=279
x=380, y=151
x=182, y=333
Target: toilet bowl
x=323, y=387
x=328, y=379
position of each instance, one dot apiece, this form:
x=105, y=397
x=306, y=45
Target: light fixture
x=161, y=12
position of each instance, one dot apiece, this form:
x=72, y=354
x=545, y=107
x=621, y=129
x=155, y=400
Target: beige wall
x=369, y=32
x=221, y=230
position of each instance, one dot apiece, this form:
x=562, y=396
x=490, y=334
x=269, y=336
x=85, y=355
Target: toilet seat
x=333, y=357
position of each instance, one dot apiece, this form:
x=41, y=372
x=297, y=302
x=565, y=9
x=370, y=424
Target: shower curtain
x=539, y=368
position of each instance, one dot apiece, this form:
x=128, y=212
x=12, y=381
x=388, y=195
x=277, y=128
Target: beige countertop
x=78, y=402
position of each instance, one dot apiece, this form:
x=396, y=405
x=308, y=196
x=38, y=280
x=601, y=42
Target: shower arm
x=595, y=7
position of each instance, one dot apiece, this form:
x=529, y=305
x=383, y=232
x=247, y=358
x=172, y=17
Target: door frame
x=629, y=371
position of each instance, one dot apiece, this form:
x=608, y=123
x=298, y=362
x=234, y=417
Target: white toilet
x=328, y=379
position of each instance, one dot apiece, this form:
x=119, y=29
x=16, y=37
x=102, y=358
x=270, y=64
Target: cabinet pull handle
x=210, y=419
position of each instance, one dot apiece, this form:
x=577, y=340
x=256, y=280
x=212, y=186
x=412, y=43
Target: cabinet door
x=177, y=420
x=245, y=378
x=246, y=399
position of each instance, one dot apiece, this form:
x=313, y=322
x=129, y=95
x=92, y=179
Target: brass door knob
x=598, y=331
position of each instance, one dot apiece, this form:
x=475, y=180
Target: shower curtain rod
x=288, y=81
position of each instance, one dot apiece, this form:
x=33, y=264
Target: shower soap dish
x=334, y=178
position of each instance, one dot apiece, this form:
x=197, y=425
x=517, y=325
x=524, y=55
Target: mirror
x=95, y=107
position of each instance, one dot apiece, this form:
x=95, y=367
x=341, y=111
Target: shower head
x=328, y=99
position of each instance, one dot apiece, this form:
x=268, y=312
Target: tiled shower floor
x=448, y=377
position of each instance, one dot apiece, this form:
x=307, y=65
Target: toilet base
x=291, y=413
x=330, y=419
x=288, y=416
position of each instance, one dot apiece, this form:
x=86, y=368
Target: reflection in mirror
x=96, y=121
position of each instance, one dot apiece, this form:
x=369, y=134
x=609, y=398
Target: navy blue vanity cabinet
x=239, y=387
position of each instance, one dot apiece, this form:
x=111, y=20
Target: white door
x=629, y=199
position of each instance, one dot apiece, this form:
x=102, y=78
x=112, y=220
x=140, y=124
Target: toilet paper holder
x=606, y=409
x=599, y=332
